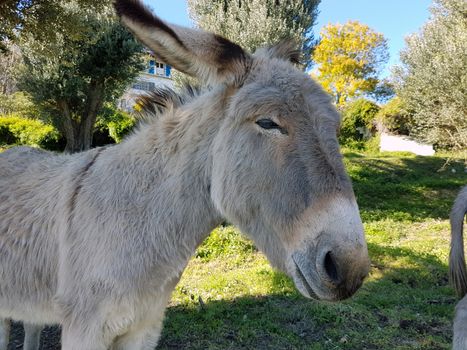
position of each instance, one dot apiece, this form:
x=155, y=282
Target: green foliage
x=83, y=74
x=119, y=129
x=432, y=79
x=9, y=61
x=41, y=18
x=349, y=59
x=372, y=145
x=19, y=104
x=22, y=131
x=256, y=23
x=358, y=122
x=116, y=122
x=395, y=117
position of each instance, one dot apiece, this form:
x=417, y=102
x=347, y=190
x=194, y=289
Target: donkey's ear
x=286, y=49
x=204, y=55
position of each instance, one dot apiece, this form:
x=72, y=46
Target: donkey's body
x=70, y=201
x=457, y=269
x=97, y=241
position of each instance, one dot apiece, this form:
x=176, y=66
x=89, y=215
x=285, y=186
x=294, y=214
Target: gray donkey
x=97, y=241
x=457, y=269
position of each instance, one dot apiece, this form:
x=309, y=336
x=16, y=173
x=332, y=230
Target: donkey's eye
x=267, y=124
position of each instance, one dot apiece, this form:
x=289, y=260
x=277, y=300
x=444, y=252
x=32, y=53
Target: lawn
x=230, y=298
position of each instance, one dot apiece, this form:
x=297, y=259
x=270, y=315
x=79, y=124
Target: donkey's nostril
x=331, y=268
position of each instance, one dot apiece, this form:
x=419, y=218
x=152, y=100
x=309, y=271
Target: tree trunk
x=94, y=102
x=79, y=134
x=69, y=127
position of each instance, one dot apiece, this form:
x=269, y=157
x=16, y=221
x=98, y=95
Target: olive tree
x=432, y=79
x=255, y=23
x=72, y=77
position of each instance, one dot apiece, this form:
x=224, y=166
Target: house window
x=158, y=68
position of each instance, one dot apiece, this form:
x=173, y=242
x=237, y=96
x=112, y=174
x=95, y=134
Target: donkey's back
x=16, y=160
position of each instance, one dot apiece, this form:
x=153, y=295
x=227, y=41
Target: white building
x=397, y=143
x=156, y=74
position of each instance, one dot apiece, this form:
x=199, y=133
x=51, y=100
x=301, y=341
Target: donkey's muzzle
x=330, y=274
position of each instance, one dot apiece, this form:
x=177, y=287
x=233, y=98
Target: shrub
x=395, y=117
x=22, y=131
x=358, y=122
x=119, y=129
x=115, y=122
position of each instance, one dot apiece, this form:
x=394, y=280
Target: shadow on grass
x=50, y=338
x=405, y=304
x=409, y=188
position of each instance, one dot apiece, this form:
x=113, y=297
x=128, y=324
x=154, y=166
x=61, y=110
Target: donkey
x=457, y=268
x=97, y=241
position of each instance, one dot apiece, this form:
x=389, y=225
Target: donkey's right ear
x=207, y=56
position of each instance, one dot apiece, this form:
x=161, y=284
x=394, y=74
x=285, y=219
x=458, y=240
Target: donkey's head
x=277, y=172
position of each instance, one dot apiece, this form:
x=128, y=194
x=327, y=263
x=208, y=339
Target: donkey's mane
x=162, y=99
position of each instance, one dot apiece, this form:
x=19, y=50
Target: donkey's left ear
x=207, y=56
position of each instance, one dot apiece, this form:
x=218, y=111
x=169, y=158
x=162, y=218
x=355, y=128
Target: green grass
x=230, y=298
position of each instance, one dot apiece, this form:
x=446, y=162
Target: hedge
x=21, y=131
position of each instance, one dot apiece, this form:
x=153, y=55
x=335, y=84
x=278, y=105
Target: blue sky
x=395, y=18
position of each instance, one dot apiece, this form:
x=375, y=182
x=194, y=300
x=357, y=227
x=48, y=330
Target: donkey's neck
x=172, y=158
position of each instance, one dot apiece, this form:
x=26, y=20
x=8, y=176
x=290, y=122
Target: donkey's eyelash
x=269, y=124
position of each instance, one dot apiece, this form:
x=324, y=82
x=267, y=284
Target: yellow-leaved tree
x=349, y=58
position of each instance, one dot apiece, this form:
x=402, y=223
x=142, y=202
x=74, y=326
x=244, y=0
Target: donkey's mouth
x=304, y=281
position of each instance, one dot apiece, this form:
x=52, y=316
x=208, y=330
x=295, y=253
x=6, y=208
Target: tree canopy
x=41, y=18
x=8, y=62
x=256, y=23
x=432, y=79
x=350, y=57
x=71, y=77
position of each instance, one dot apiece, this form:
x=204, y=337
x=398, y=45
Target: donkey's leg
x=84, y=337
x=145, y=334
x=460, y=326
x=32, y=336
x=90, y=327
x=142, y=337
x=4, y=333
